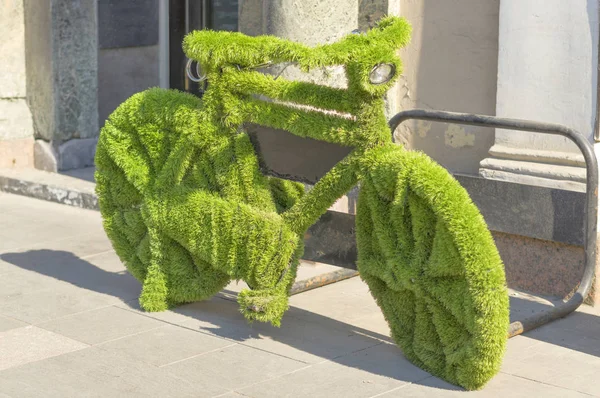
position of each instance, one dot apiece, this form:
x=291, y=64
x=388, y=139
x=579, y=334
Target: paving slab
x=46, y=305
x=304, y=340
x=169, y=344
x=541, y=365
x=19, y=346
x=233, y=367
x=215, y=316
x=101, y=325
x=308, y=342
x=31, y=220
x=335, y=302
x=45, y=269
x=97, y=373
x=10, y=323
x=18, y=283
x=350, y=379
x=37, y=256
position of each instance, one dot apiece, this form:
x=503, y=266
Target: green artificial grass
x=187, y=208
x=431, y=264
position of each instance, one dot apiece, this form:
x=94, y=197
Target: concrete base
x=538, y=266
x=72, y=154
x=543, y=168
x=76, y=154
x=536, y=174
x=45, y=156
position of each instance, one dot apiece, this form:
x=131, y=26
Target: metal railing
x=591, y=207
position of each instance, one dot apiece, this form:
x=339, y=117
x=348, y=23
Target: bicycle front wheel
x=432, y=266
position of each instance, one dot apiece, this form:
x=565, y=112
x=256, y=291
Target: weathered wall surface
x=547, y=68
x=12, y=49
x=450, y=64
x=16, y=126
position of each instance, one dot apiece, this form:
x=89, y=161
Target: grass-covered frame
x=187, y=208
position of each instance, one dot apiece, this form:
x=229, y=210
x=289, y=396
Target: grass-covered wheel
x=432, y=266
x=187, y=209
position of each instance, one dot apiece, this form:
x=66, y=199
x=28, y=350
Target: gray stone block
x=371, y=11
x=44, y=156
x=75, y=57
x=311, y=22
x=251, y=15
x=72, y=154
x=52, y=187
x=62, y=61
x=77, y=153
x=537, y=212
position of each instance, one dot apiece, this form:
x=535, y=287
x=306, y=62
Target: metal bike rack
x=591, y=207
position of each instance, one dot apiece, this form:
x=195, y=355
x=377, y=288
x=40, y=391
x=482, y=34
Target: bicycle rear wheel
x=161, y=163
x=432, y=266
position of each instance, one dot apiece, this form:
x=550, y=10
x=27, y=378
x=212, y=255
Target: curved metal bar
x=188, y=70
x=591, y=217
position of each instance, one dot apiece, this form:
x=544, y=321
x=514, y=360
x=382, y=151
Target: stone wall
x=16, y=126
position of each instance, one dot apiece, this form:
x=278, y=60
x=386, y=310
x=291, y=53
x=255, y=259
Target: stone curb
x=41, y=188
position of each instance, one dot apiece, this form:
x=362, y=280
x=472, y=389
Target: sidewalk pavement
x=70, y=326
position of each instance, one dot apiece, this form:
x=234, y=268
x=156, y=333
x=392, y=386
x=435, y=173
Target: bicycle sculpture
x=187, y=208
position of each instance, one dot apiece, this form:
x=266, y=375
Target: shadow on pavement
x=67, y=267
x=309, y=336
x=305, y=333
x=579, y=331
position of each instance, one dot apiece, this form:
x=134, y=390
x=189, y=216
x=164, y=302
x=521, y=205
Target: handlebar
x=214, y=49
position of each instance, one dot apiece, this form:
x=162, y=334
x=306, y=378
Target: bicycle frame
x=342, y=177
x=352, y=117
